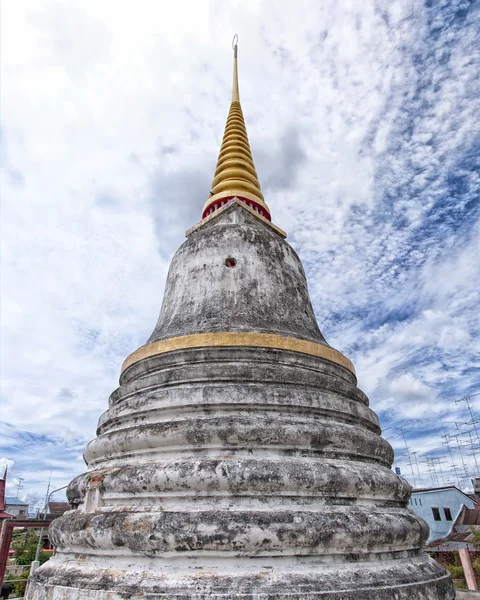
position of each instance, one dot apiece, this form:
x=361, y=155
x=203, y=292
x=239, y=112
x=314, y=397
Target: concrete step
x=467, y=595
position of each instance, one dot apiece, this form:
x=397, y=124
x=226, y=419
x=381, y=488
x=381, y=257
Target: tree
x=25, y=547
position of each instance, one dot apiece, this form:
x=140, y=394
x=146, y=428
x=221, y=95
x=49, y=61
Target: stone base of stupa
x=414, y=578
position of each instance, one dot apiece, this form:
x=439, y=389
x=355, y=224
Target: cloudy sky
x=363, y=118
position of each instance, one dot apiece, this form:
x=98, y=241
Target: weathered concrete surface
x=467, y=595
x=234, y=472
x=265, y=292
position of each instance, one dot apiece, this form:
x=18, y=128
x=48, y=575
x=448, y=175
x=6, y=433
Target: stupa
x=238, y=459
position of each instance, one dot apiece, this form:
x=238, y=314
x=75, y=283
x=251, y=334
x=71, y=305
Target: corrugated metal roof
x=58, y=507
x=436, y=489
x=9, y=500
x=460, y=536
x=441, y=489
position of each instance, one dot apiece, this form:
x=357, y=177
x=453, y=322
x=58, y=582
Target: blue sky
x=363, y=121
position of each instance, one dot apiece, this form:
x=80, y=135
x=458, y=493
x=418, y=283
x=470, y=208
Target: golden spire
x=235, y=94
x=235, y=175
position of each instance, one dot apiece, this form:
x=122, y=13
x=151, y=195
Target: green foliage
x=476, y=537
x=460, y=585
x=19, y=586
x=25, y=547
x=456, y=571
x=476, y=568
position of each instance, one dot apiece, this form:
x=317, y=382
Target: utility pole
x=45, y=509
x=48, y=488
x=19, y=486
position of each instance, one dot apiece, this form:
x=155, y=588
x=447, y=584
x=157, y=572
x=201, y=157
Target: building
x=3, y=482
x=238, y=458
x=56, y=509
x=16, y=507
x=439, y=507
x=463, y=538
x=461, y=534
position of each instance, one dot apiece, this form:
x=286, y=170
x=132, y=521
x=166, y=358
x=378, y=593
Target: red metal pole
x=5, y=540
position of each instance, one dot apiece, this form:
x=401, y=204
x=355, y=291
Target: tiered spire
x=235, y=175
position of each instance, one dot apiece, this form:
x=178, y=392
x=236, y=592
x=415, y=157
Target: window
x=436, y=514
x=21, y=512
x=448, y=514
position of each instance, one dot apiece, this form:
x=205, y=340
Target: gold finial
x=235, y=94
x=235, y=175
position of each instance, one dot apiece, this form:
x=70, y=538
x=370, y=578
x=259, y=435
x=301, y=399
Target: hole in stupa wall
x=230, y=262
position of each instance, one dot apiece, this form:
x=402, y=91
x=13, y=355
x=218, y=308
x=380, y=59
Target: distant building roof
x=58, y=507
x=470, y=516
x=461, y=532
x=9, y=500
x=439, y=489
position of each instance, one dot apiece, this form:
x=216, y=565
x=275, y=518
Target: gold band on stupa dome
x=247, y=340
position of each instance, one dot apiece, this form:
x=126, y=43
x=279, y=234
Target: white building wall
x=18, y=510
x=444, y=499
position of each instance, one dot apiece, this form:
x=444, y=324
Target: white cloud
x=5, y=463
x=362, y=126
x=406, y=387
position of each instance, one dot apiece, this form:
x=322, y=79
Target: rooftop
x=461, y=531
x=58, y=507
x=440, y=489
x=11, y=500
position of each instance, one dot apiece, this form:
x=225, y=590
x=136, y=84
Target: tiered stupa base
x=414, y=578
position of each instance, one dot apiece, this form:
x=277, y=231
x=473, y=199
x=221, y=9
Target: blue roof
x=9, y=500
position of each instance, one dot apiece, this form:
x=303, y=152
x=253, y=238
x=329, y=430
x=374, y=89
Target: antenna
x=433, y=473
x=440, y=462
x=449, y=449
x=469, y=433
x=414, y=454
x=474, y=421
x=48, y=489
x=19, y=485
x=456, y=436
x=408, y=455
